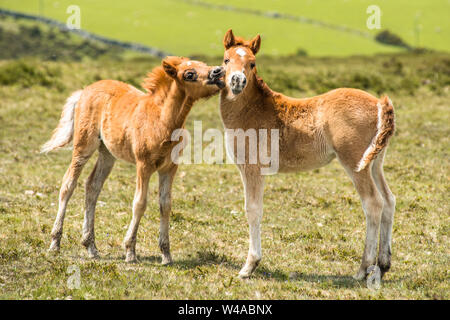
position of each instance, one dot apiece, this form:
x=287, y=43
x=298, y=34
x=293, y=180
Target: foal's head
x=197, y=79
x=239, y=62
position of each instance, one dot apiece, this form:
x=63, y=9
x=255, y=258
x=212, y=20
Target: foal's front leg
x=165, y=206
x=253, y=188
x=139, y=206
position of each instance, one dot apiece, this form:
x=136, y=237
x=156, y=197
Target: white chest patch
x=241, y=52
x=189, y=63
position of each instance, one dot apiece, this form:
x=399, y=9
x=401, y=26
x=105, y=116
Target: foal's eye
x=226, y=61
x=252, y=65
x=190, y=75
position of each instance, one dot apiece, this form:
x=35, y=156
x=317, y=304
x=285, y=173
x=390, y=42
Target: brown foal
x=122, y=122
x=349, y=124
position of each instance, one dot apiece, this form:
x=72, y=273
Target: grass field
x=158, y=23
x=399, y=16
x=313, y=226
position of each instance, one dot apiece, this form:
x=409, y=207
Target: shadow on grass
x=201, y=258
x=149, y=259
x=337, y=281
x=210, y=257
x=204, y=258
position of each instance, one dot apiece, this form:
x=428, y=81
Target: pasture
x=313, y=226
x=158, y=23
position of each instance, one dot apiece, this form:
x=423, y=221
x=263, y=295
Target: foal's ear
x=169, y=67
x=228, y=40
x=255, y=44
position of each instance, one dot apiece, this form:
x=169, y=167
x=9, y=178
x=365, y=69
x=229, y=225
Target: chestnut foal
x=123, y=122
x=349, y=124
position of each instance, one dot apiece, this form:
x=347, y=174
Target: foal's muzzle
x=214, y=76
x=238, y=80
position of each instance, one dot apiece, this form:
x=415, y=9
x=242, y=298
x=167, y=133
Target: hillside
x=186, y=27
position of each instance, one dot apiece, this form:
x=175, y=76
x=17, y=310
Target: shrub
x=389, y=38
x=301, y=52
x=27, y=74
x=280, y=80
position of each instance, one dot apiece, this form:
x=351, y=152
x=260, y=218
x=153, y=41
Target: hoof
x=54, y=248
x=53, y=252
x=247, y=271
x=93, y=252
x=373, y=277
x=131, y=258
x=93, y=256
x=361, y=275
x=384, y=267
x=244, y=275
x=166, y=260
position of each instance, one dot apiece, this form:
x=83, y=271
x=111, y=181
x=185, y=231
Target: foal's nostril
x=217, y=70
x=237, y=79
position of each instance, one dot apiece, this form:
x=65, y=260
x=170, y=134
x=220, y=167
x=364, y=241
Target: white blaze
x=241, y=52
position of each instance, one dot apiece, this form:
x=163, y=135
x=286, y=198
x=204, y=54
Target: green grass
x=162, y=23
x=313, y=226
x=400, y=16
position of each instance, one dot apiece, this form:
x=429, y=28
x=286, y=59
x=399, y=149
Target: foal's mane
x=157, y=80
x=262, y=86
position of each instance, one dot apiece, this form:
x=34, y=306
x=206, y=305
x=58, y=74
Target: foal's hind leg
x=79, y=159
x=387, y=216
x=94, y=185
x=165, y=205
x=372, y=204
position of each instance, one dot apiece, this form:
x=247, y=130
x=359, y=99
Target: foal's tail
x=385, y=129
x=63, y=133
